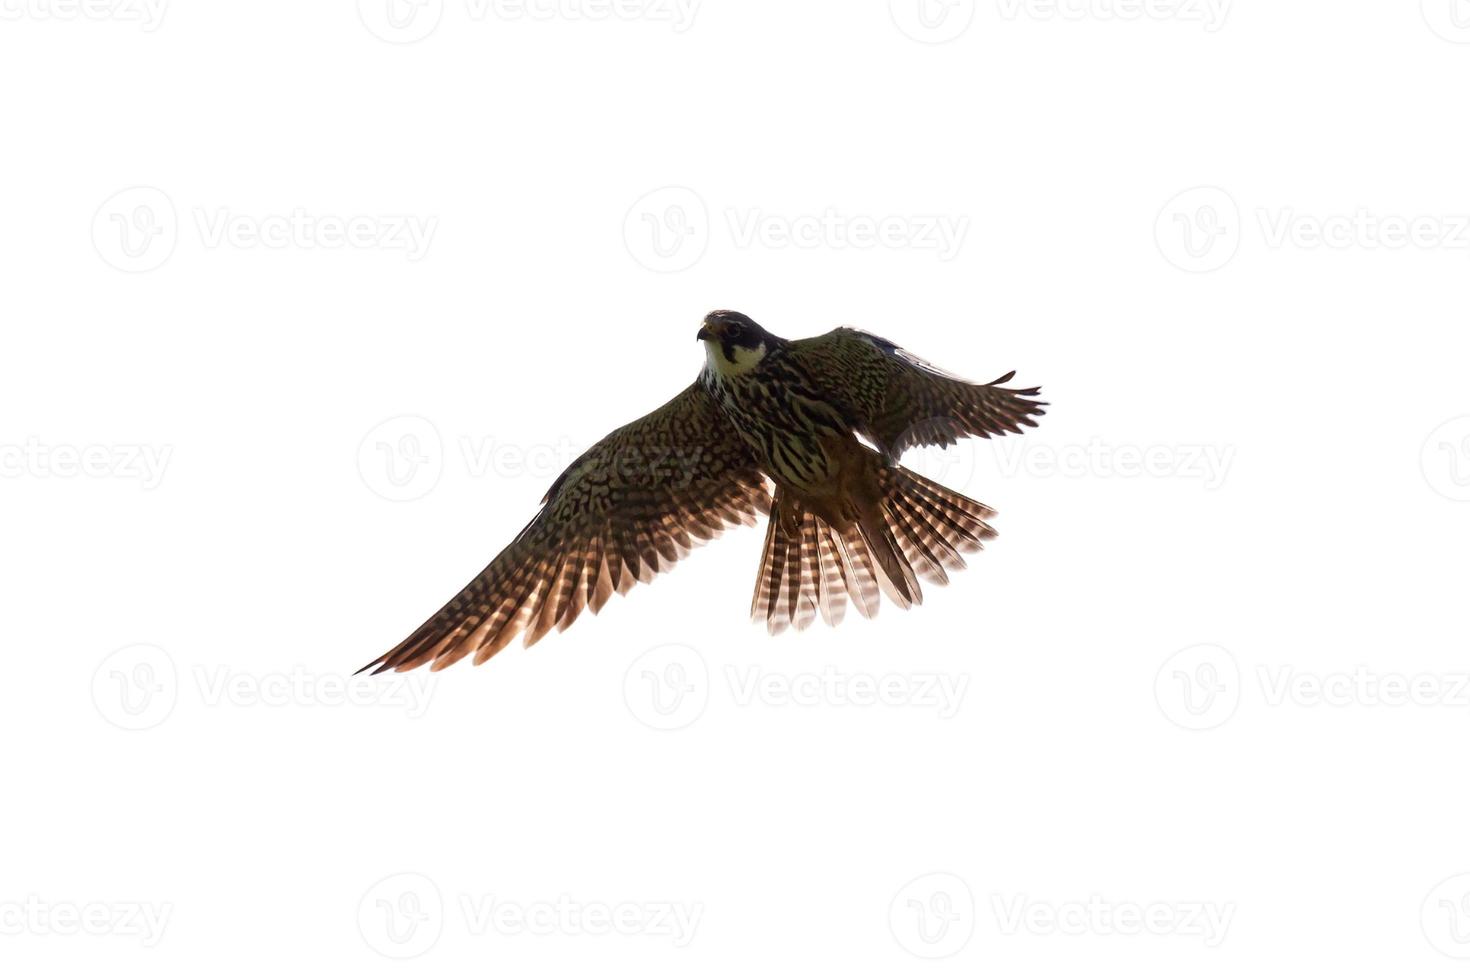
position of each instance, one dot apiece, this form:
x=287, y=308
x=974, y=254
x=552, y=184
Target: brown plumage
x=847, y=522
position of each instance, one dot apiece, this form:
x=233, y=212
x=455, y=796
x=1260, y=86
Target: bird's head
x=733, y=342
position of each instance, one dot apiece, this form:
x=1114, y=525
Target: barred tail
x=808, y=568
x=918, y=530
x=931, y=525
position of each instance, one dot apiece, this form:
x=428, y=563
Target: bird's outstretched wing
x=627, y=509
x=898, y=400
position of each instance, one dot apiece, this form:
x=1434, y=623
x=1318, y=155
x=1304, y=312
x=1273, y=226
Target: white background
x=1212, y=671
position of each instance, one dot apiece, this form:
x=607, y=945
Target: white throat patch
x=746, y=358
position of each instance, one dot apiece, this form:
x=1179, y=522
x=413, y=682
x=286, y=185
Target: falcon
x=809, y=432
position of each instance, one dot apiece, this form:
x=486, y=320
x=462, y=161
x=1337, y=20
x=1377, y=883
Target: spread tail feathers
x=917, y=530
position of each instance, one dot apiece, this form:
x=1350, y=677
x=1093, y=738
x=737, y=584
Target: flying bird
x=807, y=431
